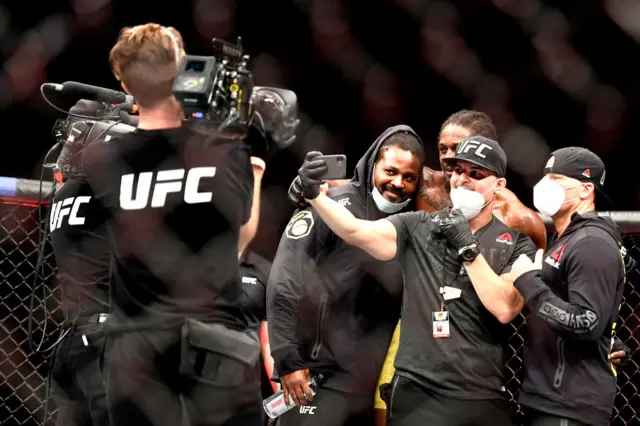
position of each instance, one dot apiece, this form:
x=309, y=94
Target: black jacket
x=332, y=307
x=574, y=303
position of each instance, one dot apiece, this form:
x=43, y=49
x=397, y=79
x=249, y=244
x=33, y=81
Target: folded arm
x=496, y=292
x=592, y=271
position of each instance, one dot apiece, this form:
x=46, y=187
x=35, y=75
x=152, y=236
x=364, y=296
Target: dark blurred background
x=550, y=74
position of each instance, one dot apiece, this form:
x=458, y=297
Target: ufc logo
x=306, y=409
x=470, y=144
x=67, y=207
x=166, y=182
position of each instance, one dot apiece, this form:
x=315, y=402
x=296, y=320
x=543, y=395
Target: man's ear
x=587, y=188
x=501, y=183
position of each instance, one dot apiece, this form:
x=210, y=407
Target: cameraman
x=81, y=248
x=177, y=204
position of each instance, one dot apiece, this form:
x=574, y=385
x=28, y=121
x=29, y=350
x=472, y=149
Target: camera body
x=218, y=92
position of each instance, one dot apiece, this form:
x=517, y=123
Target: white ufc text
x=469, y=144
x=307, y=409
x=164, y=183
x=67, y=207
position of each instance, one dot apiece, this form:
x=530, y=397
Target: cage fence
x=24, y=281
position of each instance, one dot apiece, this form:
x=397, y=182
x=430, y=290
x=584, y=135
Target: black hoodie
x=333, y=307
x=574, y=303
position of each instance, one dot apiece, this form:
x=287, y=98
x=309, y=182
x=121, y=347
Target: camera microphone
x=95, y=93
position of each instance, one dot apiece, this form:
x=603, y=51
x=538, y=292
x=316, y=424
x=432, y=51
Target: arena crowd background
x=550, y=74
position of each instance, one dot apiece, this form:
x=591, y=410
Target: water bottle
x=275, y=406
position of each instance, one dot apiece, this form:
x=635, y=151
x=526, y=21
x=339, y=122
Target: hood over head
x=363, y=175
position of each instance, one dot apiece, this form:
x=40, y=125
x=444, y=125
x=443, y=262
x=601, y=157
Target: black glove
x=310, y=175
x=295, y=193
x=619, y=346
x=454, y=227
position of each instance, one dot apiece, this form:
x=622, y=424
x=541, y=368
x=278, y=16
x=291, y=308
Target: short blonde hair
x=145, y=58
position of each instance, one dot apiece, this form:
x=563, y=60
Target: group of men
x=469, y=265
x=158, y=308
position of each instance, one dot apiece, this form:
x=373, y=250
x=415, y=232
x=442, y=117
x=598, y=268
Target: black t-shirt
x=468, y=364
x=176, y=201
x=254, y=274
x=81, y=248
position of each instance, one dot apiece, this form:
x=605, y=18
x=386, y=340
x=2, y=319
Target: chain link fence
x=23, y=393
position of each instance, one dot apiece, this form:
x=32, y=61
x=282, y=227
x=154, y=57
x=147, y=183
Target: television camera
x=216, y=93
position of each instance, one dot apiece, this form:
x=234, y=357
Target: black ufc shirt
x=81, y=248
x=254, y=274
x=176, y=201
x=469, y=364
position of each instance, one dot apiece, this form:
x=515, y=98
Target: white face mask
x=467, y=202
x=549, y=196
x=385, y=205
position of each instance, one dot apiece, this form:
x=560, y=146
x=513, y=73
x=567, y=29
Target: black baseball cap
x=578, y=163
x=483, y=152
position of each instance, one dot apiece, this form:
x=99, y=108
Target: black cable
x=86, y=117
x=42, y=238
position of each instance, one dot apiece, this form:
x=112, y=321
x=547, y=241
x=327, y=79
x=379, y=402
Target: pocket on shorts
x=216, y=355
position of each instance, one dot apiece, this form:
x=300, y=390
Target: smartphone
x=336, y=166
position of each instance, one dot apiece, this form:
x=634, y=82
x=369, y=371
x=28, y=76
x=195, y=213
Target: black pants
x=331, y=407
x=538, y=418
x=154, y=380
x=413, y=405
x=78, y=385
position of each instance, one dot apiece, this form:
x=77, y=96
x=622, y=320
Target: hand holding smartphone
x=336, y=166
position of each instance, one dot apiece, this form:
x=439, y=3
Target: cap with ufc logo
x=483, y=152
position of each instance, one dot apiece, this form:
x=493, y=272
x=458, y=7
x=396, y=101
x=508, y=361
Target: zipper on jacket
x=557, y=378
x=321, y=312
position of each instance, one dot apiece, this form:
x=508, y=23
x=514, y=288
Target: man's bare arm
x=378, y=238
x=513, y=213
x=249, y=230
x=529, y=223
x=432, y=195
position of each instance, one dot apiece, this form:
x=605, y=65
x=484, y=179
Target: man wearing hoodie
x=336, y=306
x=573, y=294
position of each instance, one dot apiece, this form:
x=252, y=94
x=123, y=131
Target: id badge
x=440, y=324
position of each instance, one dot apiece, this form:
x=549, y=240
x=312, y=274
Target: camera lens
x=340, y=160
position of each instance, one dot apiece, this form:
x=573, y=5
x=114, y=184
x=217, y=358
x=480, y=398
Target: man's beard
x=398, y=192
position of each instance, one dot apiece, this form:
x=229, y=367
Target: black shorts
x=414, y=405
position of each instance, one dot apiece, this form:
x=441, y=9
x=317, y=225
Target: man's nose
x=462, y=180
x=397, y=182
